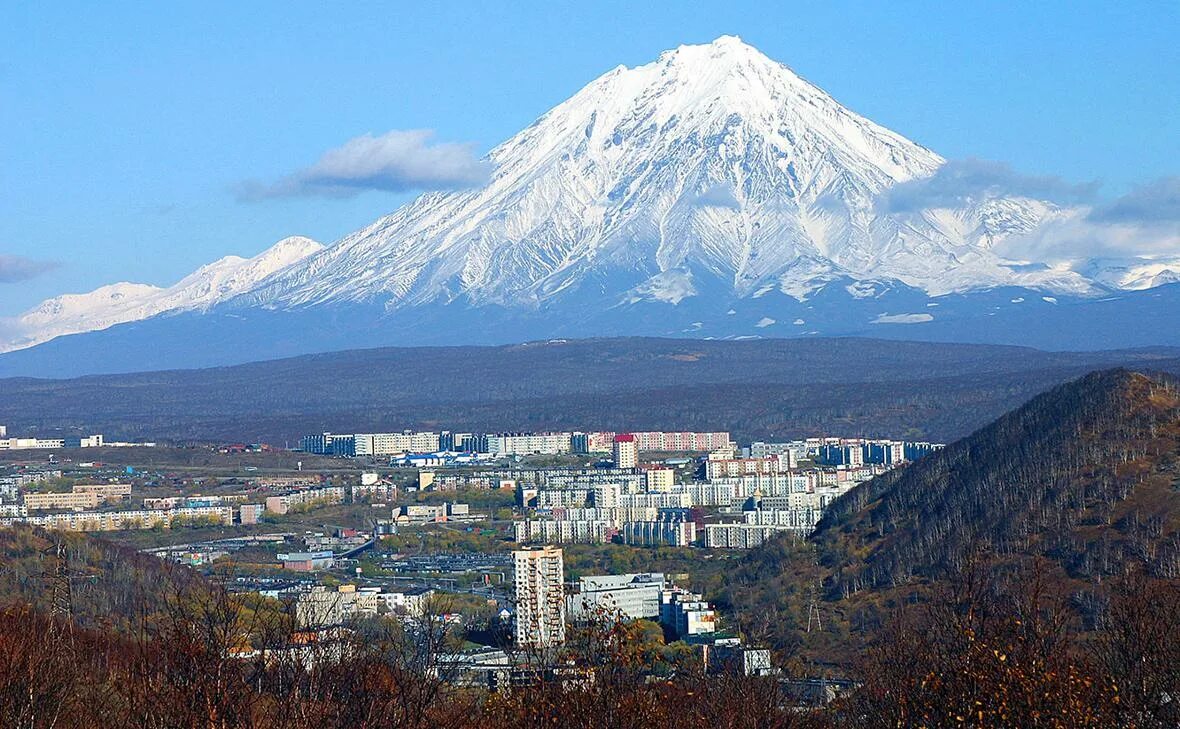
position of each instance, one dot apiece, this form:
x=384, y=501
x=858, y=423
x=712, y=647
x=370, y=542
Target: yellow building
x=74, y=501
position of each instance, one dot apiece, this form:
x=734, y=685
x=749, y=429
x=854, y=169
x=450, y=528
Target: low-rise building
x=686, y=614
x=307, y=561
x=77, y=501
x=326, y=495
x=628, y=597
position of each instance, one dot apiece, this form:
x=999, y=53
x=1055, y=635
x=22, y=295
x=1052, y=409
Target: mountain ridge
x=758, y=389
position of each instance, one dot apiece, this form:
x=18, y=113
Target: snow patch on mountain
x=670, y=287
x=903, y=318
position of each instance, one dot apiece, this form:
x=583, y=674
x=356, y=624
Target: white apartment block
x=539, y=576
x=103, y=521
x=563, y=531
x=796, y=448
x=662, y=533
x=770, y=484
x=628, y=597
x=615, y=516
x=30, y=443
x=740, y=536
x=669, y=500
x=387, y=444
x=549, y=498
x=602, y=441
x=606, y=495
x=801, y=520
x=529, y=444
x=711, y=494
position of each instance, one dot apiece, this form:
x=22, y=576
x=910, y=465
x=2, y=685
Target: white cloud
x=1082, y=235
x=1156, y=203
x=14, y=269
x=962, y=182
x=397, y=161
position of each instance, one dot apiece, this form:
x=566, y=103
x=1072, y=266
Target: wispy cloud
x=1157, y=202
x=397, y=161
x=961, y=182
x=718, y=196
x=1144, y=223
x=14, y=269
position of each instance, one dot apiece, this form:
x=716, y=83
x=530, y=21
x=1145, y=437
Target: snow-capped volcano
x=712, y=161
x=712, y=192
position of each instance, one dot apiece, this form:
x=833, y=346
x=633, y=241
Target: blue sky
x=128, y=129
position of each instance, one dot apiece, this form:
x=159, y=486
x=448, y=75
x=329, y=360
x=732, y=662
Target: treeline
x=1084, y=474
x=980, y=652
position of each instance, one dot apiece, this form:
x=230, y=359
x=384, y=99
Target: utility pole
x=56, y=572
x=61, y=581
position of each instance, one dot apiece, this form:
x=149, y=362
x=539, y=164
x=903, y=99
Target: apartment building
x=102, y=521
x=285, y=502
x=77, y=501
x=564, y=531
x=660, y=533
x=109, y=492
x=529, y=444
x=385, y=444
x=741, y=535
x=539, y=576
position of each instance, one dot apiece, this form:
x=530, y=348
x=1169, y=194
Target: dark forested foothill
x=758, y=390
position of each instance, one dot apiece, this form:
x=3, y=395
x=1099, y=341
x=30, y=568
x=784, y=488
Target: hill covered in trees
x=757, y=389
x=1087, y=475
x=1045, y=545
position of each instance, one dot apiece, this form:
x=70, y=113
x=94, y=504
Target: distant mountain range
x=711, y=193
x=758, y=389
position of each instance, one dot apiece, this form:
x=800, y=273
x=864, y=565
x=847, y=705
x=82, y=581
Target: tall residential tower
x=540, y=597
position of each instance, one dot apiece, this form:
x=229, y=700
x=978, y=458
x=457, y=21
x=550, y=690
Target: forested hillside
x=110, y=586
x=760, y=389
x=1087, y=475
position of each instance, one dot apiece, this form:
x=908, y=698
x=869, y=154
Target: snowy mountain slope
x=124, y=302
x=713, y=159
